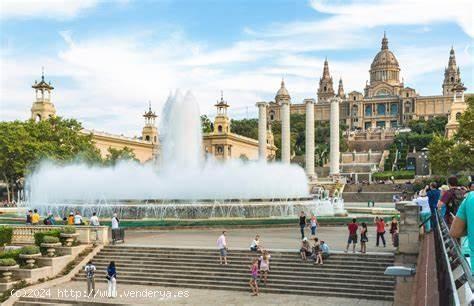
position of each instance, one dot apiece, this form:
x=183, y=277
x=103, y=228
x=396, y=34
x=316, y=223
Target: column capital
x=262, y=103
x=285, y=101
x=307, y=101
x=335, y=100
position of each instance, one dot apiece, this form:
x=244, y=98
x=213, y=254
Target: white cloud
x=368, y=14
x=56, y=9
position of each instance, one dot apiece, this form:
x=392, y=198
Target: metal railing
x=455, y=282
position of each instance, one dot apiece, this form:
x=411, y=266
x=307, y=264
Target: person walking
x=314, y=224
x=394, y=231
x=302, y=223
x=433, y=194
x=352, y=227
x=253, y=277
x=222, y=246
x=264, y=266
x=380, y=226
x=90, y=277
x=111, y=280
x=425, y=214
x=363, y=238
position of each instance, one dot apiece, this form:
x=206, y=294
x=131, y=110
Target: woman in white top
x=425, y=213
x=264, y=266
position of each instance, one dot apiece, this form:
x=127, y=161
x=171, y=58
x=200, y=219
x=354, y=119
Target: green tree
x=24, y=144
x=116, y=155
x=245, y=127
x=206, y=124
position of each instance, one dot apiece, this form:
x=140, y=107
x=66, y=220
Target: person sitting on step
x=305, y=249
x=256, y=245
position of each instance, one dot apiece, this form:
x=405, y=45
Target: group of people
x=380, y=228
x=110, y=275
x=260, y=266
x=317, y=250
x=5, y=203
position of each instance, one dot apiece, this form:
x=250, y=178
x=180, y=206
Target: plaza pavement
x=202, y=296
x=241, y=238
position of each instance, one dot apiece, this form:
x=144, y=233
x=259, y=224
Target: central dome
x=385, y=58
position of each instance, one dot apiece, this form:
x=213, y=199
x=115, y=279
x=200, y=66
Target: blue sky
x=108, y=58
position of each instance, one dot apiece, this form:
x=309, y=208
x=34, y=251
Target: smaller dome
x=282, y=91
x=385, y=58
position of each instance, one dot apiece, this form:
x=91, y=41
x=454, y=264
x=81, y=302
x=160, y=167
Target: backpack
x=455, y=200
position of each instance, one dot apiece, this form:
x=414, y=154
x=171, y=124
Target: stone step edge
x=387, y=297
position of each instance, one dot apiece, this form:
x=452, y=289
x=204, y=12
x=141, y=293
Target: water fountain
x=184, y=185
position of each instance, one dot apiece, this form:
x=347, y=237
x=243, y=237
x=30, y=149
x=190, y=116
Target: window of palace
x=154, y=139
x=325, y=88
x=394, y=109
x=272, y=115
x=458, y=115
x=354, y=98
x=220, y=150
x=381, y=109
x=219, y=128
x=38, y=118
x=368, y=110
x=380, y=124
x=452, y=79
x=147, y=137
x=355, y=110
x=407, y=107
x=407, y=94
x=367, y=125
x=394, y=123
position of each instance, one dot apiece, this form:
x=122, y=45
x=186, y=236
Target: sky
x=107, y=59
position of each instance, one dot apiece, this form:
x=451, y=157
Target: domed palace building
x=385, y=106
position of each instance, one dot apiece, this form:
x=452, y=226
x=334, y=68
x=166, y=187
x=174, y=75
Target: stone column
x=334, y=138
x=309, y=154
x=262, y=130
x=285, y=132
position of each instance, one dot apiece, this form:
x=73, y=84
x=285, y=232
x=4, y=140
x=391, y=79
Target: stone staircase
x=342, y=275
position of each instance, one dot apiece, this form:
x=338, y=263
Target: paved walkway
x=141, y=295
x=271, y=238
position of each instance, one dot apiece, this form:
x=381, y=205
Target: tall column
x=285, y=132
x=334, y=137
x=309, y=154
x=262, y=130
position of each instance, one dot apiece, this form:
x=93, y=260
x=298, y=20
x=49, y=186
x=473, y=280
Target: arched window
x=458, y=115
x=452, y=79
x=272, y=115
x=154, y=138
x=219, y=128
x=354, y=98
x=408, y=94
x=38, y=118
x=147, y=137
x=325, y=88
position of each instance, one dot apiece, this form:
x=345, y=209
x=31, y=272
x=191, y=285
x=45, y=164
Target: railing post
x=409, y=233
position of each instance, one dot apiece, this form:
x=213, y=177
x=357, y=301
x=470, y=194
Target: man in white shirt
x=90, y=271
x=115, y=228
x=222, y=246
x=94, y=221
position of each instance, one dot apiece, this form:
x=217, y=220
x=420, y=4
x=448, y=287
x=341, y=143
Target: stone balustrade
x=25, y=234
x=409, y=233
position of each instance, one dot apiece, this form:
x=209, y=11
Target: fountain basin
x=197, y=209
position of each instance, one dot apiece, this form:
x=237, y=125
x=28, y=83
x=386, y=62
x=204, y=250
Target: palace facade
x=386, y=102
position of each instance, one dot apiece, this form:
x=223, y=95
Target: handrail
x=449, y=259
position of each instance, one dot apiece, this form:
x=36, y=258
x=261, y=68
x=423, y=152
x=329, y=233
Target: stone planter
x=7, y=272
x=51, y=248
x=69, y=238
x=30, y=259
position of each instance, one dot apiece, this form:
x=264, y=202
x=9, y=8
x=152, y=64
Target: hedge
x=400, y=175
x=30, y=250
x=7, y=262
x=40, y=235
x=6, y=234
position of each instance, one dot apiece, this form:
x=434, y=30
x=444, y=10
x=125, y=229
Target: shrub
x=7, y=262
x=30, y=249
x=13, y=254
x=68, y=230
x=40, y=236
x=6, y=233
x=400, y=175
x=50, y=239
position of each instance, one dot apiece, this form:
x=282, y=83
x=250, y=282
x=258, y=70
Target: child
x=264, y=266
x=253, y=277
x=314, y=224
